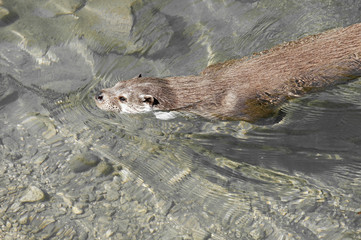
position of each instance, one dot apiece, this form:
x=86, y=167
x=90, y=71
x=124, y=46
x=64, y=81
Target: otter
x=251, y=88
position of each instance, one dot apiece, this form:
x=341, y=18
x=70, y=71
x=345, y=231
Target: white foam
x=165, y=115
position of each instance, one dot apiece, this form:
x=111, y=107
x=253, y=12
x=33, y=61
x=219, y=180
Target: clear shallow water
x=186, y=178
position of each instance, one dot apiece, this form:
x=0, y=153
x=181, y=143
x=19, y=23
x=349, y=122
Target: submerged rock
x=3, y=12
x=78, y=209
x=103, y=169
x=83, y=162
x=33, y=194
x=24, y=219
x=7, y=17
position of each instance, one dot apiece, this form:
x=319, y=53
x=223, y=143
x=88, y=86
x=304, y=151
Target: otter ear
x=138, y=76
x=150, y=100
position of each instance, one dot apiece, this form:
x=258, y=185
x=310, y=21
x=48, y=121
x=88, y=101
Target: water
x=186, y=178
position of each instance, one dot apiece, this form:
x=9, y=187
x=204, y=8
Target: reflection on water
x=185, y=178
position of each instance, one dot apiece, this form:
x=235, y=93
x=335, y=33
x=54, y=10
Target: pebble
x=16, y=207
x=109, y=233
x=39, y=160
x=3, y=12
x=103, y=169
x=123, y=225
x=8, y=225
x=3, y=191
x=66, y=199
x=83, y=236
x=99, y=195
x=60, y=212
x=11, y=144
x=77, y=210
x=83, y=162
x=46, y=222
x=92, y=197
x=33, y=194
x=151, y=219
x=112, y=195
x=80, y=207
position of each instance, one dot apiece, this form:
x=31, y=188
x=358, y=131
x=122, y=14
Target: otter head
x=131, y=96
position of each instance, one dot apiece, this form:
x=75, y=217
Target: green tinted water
x=185, y=178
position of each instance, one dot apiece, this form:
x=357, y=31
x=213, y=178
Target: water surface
x=185, y=178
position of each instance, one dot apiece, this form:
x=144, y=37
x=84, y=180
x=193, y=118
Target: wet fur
x=254, y=87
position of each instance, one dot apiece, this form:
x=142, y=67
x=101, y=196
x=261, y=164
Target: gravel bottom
x=51, y=190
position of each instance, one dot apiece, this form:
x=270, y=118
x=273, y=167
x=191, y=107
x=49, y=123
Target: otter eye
x=99, y=97
x=122, y=99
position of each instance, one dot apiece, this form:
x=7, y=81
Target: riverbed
x=71, y=171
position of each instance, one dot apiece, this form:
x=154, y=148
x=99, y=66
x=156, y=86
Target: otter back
x=252, y=87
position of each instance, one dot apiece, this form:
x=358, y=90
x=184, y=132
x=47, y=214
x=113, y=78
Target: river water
x=101, y=175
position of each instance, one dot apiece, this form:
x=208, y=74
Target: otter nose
x=99, y=96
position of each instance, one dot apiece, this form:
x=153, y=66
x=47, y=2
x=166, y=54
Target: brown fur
x=254, y=87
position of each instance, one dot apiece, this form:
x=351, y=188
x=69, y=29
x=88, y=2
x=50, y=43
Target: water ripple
x=297, y=178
